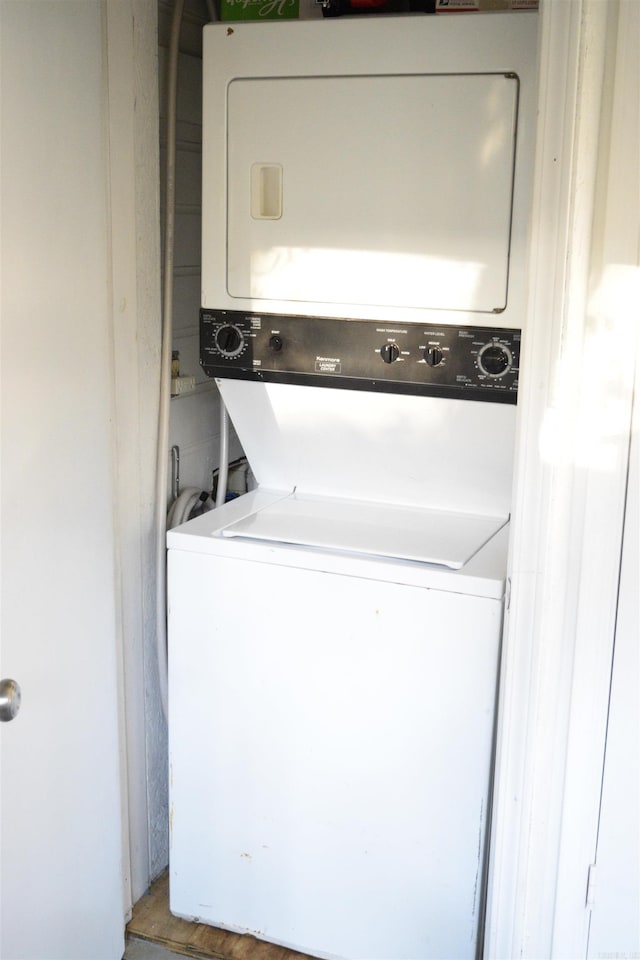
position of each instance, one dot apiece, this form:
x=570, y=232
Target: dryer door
x=328, y=175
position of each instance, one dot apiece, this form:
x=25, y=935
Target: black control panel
x=474, y=363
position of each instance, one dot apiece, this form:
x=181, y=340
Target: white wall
x=194, y=417
x=194, y=422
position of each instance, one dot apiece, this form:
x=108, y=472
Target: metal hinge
x=591, y=886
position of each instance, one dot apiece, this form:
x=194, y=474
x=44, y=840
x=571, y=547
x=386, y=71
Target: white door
x=61, y=894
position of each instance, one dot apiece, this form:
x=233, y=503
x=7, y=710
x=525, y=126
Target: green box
x=259, y=9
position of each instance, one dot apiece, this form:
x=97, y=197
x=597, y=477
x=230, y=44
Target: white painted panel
x=377, y=446
x=375, y=529
x=338, y=802
x=397, y=190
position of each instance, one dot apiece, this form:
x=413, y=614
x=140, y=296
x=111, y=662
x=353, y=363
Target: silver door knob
x=10, y=697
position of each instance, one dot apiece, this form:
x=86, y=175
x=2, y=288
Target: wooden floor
x=152, y=921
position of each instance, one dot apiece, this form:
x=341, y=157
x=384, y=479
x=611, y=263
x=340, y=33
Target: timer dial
x=494, y=359
x=229, y=340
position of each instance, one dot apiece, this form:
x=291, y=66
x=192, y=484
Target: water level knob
x=433, y=356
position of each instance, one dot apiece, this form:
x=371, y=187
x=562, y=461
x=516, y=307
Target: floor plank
x=136, y=949
x=153, y=921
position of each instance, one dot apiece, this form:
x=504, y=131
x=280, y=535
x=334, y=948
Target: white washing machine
x=334, y=635
x=331, y=725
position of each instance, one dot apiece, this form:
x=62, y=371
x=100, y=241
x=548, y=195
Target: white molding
x=567, y=521
x=612, y=318
x=135, y=257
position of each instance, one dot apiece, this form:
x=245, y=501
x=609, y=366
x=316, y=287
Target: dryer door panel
x=386, y=190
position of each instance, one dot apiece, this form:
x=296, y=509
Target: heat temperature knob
x=389, y=352
x=229, y=340
x=494, y=360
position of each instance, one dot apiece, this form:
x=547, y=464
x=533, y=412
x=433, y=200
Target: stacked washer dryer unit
x=335, y=633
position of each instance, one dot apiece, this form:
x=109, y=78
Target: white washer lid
x=371, y=528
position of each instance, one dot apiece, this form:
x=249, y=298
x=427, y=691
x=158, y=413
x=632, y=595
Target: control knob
x=389, y=352
x=433, y=356
x=229, y=340
x=494, y=360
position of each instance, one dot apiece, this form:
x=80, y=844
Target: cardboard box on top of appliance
x=480, y=6
x=259, y=9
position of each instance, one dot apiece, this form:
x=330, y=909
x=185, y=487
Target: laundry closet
x=334, y=634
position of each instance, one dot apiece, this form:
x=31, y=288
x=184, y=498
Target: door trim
x=568, y=511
